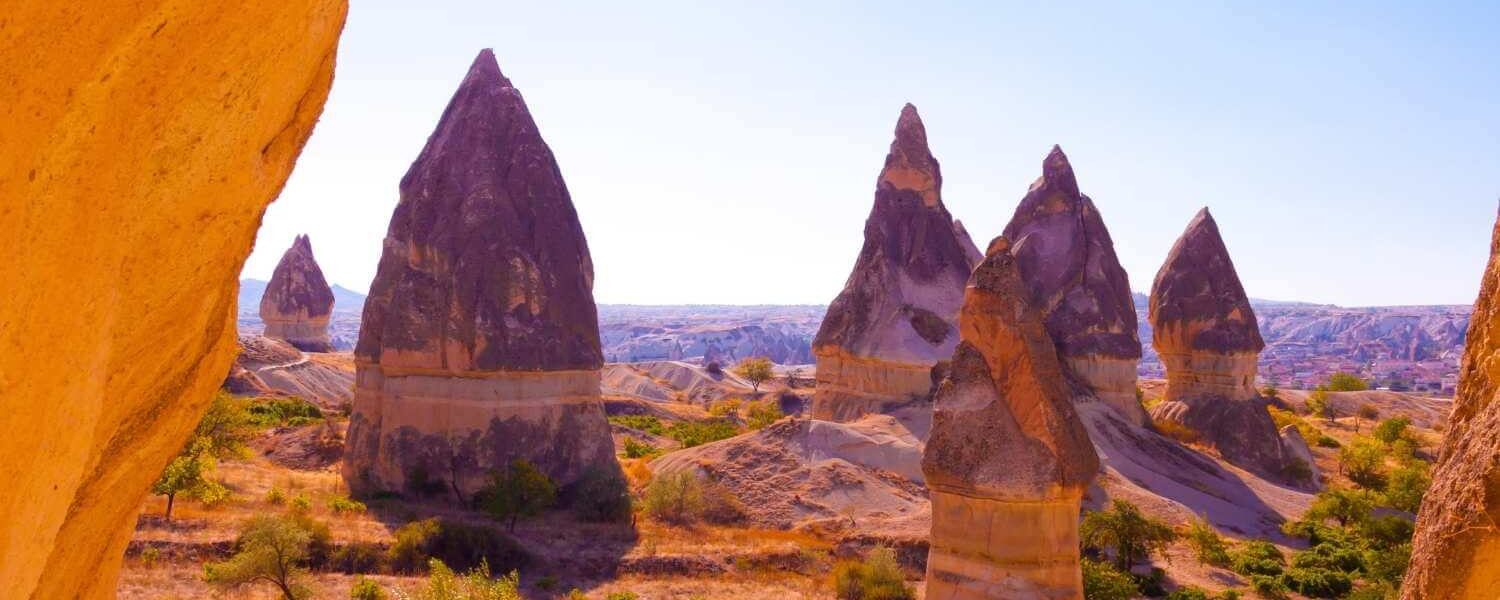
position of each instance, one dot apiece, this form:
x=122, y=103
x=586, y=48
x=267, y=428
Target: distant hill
x=345, y=300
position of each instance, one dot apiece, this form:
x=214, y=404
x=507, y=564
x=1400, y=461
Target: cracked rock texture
x=142, y=142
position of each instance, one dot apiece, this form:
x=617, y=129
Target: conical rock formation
x=1067, y=260
x=1456, y=550
x=1008, y=459
x=894, y=318
x=1206, y=334
x=298, y=301
x=479, y=342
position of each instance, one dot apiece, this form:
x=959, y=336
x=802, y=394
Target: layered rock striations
x=1456, y=550
x=894, y=318
x=297, y=302
x=142, y=142
x=480, y=338
x=1008, y=459
x=1067, y=261
x=1206, y=335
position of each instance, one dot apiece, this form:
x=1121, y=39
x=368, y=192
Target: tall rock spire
x=1206, y=334
x=894, y=318
x=480, y=340
x=297, y=301
x=1454, y=550
x=1008, y=459
x=1067, y=261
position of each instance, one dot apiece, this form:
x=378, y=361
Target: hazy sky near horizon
x=727, y=152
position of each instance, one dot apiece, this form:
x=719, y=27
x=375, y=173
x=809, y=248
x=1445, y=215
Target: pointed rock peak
x=484, y=69
x=1198, y=283
x=1057, y=179
x=1203, y=226
x=967, y=241
x=910, y=165
x=302, y=244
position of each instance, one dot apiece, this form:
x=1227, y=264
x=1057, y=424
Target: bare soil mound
x=307, y=448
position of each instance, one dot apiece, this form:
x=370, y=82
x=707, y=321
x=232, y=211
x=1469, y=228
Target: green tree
x=1363, y=460
x=1125, y=530
x=1207, y=545
x=1406, y=486
x=189, y=475
x=1392, y=430
x=225, y=427
x=271, y=549
x=756, y=370
x=877, y=577
x=1103, y=582
x=1346, y=506
x=519, y=491
x=1346, y=382
x=1317, y=404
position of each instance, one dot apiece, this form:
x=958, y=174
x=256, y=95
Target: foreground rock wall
x=894, y=319
x=1456, y=550
x=480, y=339
x=1008, y=459
x=142, y=141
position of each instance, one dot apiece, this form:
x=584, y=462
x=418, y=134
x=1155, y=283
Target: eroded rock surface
x=1067, y=260
x=480, y=338
x=1008, y=459
x=142, y=142
x=1205, y=332
x=1456, y=549
x=298, y=301
x=894, y=318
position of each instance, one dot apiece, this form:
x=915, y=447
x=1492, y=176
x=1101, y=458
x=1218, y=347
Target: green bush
x=344, y=505
x=301, y=503
x=1346, y=382
x=366, y=589
x=1268, y=586
x=1329, y=556
x=674, y=498
x=1257, y=557
x=477, y=584
x=1101, y=581
x=1207, y=545
x=646, y=423
x=1345, y=506
x=1188, y=593
x=356, y=557
x=270, y=548
x=634, y=449
x=1392, y=430
x=1363, y=461
x=877, y=577
x=1406, y=486
x=1317, y=583
x=283, y=412
x=1325, y=441
x=453, y=543
x=601, y=495
x=621, y=596
x=763, y=413
x=1126, y=531
x=696, y=433
x=521, y=490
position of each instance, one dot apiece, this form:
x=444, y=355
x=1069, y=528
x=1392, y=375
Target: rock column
x=297, y=301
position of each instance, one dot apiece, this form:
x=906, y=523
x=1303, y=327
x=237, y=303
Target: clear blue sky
x=728, y=153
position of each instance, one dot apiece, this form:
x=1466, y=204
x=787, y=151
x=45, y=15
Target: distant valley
x=1414, y=348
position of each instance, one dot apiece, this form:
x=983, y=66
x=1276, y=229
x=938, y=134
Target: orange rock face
x=1456, y=550
x=1008, y=459
x=142, y=142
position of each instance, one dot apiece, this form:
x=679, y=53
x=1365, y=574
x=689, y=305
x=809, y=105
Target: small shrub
x=477, y=584
x=452, y=543
x=1406, y=486
x=621, y=596
x=1258, y=557
x=1187, y=593
x=1317, y=583
x=720, y=507
x=1126, y=531
x=1207, y=545
x=724, y=408
x=1268, y=586
x=519, y=491
x=877, y=577
x=763, y=413
x=356, y=557
x=341, y=505
x=1392, y=430
x=276, y=496
x=1363, y=462
x=1102, y=582
x=1346, y=382
x=697, y=433
x=283, y=412
x=674, y=498
x=646, y=423
x=366, y=589
x=1325, y=441
x=634, y=449
x=150, y=555
x=301, y=502
x=409, y=553
x=601, y=495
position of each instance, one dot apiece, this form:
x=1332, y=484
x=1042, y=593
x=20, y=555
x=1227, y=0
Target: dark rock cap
x=1067, y=260
x=910, y=249
x=1003, y=421
x=297, y=286
x=485, y=264
x=1198, y=284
